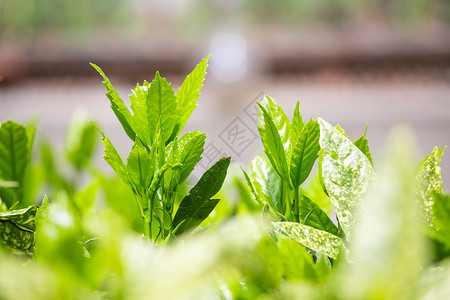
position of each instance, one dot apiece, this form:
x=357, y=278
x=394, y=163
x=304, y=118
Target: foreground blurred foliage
x=389, y=239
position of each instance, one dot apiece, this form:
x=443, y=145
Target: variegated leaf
x=312, y=238
x=346, y=173
x=429, y=180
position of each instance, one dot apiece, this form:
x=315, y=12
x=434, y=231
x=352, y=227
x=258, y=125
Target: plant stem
x=148, y=226
x=295, y=205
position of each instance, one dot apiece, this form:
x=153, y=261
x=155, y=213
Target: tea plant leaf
x=341, y=130
x=189, y=92
x=196, y=206
x=296, y=126
x=314, y=191
x=191, y=152
x=139, y=166
x=313, y=216
x=280, y=120
x=139, y=104
x=24, y=218
x=273, y=145
x=17, y=227
x=118, y=106
x=363, y=144
x=346, y=173
x=441, y=218
x=113, y=158
x=85, y=198
x=252, y=188
x=81, y=139
x=161, y=108
x=305, y=153
x=31, y=130
x=267, y=184
x=429, y=179
x=14, y=237
x=155, y=184
x=13, y=160
x=312, y=238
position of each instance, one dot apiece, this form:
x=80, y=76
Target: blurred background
x=379, y=62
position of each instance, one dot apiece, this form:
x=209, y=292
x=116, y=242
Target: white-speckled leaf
x=312, y=238
x=346, y=173
x=429, y=180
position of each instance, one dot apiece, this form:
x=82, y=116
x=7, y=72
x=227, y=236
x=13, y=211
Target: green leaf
x=17, y=226
x=280, y=120
x=268, y=184
x=312, y=215
x=118, y=106
x=13, y=160
x=318, y=240
x=81, y=140
x=296, y=126
x=196, y=206
x=188, y=94
x=346, y=173
x=273, y=145
x=191, y=148
x=155, y=184
x=305, y=153
x=314, y=191
x=186, y=150
x=113, y=158
x=429, y=180
x=161, y=108
x=341, y=130
x=85, y=197
x=139, y=105
x=31, y=130
x=191, y=153
x=363, y=144
x=139, y=167
x=24, y=218
x=441, y=218
x=252, y=188
x=15, y=237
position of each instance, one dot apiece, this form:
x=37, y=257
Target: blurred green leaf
x=441, y=218
x=429, y=180
x=314, y=191
x=14, y=159
x=387, y=245
x=81, y=139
